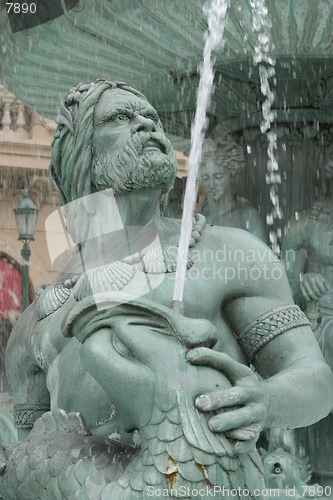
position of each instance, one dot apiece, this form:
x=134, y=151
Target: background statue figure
x=77, y=348
x=222, y=160
x=308, y=255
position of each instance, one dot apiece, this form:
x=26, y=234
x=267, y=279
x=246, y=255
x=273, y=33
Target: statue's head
x=222, y=159
x=283, y=468
x=109, y=136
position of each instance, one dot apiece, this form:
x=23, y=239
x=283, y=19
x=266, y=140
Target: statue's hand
x=314, y=286
x=241, y=409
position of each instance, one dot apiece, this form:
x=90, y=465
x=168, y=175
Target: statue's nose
x=143, y=124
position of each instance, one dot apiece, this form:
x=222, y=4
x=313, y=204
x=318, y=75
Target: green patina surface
x=104, y=352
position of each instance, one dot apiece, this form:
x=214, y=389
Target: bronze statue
x=101, y=344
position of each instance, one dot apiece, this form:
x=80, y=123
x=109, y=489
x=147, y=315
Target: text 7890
x=18, y=8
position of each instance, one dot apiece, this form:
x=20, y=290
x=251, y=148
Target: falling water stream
x=261, y=25
x=216, y=18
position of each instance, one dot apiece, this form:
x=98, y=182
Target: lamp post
x=26, y=217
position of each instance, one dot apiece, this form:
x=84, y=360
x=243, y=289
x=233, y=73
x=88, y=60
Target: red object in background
x=10, y=291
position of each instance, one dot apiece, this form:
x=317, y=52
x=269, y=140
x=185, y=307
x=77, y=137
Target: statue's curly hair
x=225, y=152
x=70, y=166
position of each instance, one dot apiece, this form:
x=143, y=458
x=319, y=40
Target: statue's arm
x=297, y=385
x=26, y=378
x=275, y=336
x=310, y=285
x=296, y=390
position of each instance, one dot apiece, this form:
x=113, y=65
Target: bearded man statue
x=100, y=355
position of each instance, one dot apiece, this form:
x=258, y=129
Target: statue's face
x=215, y=179
x=120, y=113
x=130, y=149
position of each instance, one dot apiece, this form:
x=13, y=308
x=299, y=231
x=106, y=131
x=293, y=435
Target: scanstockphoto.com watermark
x=222, y=492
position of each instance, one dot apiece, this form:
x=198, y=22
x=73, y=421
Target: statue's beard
x=135, y=168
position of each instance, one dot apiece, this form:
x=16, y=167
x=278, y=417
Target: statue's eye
x=277, y=469
x=121, y=118
x=204, y=177
x=121, y=348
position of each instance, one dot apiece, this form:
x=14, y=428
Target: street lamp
x=26, y=217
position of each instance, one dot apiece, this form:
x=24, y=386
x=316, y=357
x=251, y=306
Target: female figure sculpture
x=222, y=160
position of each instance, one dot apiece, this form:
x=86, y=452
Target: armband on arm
x=25, y=415
x=268, y=326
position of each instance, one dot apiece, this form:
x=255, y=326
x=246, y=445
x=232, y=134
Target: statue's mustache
x=145, y=139
x=135, y=146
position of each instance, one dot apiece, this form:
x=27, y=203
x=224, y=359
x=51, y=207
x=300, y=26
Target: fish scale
x=83, y=467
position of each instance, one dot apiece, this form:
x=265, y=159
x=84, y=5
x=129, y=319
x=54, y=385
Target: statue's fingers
x=308, y=292
x=316, y=286
x=327, y=285
x=220, y=361
x=232, y=398
x=245, y=433
x=323, y=285
x=230, y=420
x=304, y=293
x=312, y=289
